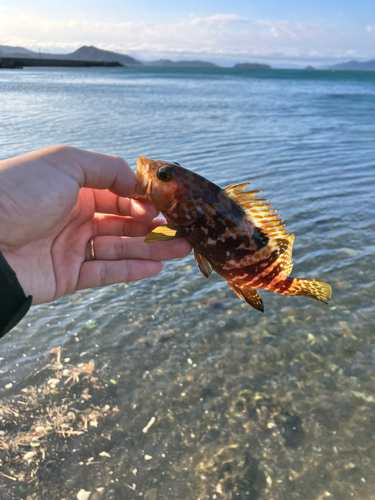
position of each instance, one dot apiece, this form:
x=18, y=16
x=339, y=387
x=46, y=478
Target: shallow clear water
x=249, y=406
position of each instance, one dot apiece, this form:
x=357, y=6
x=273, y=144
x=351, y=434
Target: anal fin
x=248, y=293
x=165, y=233
x=202, y=263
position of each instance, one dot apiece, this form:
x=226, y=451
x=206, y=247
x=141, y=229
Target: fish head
x=164, y=183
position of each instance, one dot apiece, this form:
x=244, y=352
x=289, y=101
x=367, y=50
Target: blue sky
x=274, y=31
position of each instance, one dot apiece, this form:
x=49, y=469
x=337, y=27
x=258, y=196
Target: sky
x=277, y=32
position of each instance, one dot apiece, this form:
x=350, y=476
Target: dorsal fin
x=239, y=189
x=254, y=210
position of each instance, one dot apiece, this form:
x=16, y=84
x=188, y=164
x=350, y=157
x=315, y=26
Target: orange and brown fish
x=231, y=232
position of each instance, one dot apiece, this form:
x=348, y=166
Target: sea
x=172, y=387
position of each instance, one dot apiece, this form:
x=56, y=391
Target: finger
x=118, y=248
x=93, y=170
x=113, y=225
x=109, y=203
x=103, y=273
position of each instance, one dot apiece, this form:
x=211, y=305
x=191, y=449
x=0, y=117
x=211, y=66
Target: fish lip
x=143, y=186
x=143, y=189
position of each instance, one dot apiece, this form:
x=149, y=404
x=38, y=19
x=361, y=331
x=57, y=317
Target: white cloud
x=220, y=18
x=224, y=35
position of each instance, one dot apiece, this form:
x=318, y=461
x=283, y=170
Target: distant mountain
x=247, y=65
x=93, y=54
x=354, y=66
x=182, y=64
x=82, y=54
x=7, y=50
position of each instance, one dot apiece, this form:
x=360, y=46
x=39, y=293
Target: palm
x=70, y=249
x=59, y=257
x=54, y=259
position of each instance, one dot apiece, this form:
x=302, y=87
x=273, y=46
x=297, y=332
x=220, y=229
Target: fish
x=233, y=233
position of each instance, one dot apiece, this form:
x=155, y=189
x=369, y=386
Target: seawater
x=247, y=406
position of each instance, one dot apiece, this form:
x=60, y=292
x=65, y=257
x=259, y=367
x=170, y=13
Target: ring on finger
x=92, y=249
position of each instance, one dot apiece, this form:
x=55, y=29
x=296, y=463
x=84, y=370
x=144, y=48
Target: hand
x=54, y=200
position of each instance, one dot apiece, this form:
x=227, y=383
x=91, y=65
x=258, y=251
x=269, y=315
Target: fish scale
x=233, y=233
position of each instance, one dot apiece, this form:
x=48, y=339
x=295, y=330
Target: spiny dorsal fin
x=202, y=263
x=248, y=293
x=165, y=233
x=237, y=190
x=254, y=210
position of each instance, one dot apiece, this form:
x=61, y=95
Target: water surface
x=249, y=406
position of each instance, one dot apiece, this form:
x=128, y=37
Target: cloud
x=221, y=18
x=224, y=35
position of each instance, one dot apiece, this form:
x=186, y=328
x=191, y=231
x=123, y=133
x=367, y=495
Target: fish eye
x=166, y=173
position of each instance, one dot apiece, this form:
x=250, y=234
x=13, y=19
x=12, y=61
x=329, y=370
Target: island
x=167, y=63
x=354, y=66
x=247, y=65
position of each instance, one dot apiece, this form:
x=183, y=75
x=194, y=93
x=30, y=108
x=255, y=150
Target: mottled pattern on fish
x=233, y=233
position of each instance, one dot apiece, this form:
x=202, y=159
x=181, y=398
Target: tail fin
x=309, y=288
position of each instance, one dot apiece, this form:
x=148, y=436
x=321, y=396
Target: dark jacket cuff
x=13, y=302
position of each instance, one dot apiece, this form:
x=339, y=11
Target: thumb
x=92, y=170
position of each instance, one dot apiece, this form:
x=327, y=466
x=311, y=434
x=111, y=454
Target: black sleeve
x=13, y=302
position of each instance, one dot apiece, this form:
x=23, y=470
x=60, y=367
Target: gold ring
x=92, y=250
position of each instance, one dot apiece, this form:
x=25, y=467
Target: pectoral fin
x=248, y=293
x=203, y=264
x=165, y=233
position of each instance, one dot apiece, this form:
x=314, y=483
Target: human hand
x=53, y=201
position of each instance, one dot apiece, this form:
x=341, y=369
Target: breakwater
x=21, y=62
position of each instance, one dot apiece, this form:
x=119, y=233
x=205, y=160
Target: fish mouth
x=143, y=187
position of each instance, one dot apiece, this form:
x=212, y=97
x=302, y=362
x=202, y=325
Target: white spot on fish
x=241, y=277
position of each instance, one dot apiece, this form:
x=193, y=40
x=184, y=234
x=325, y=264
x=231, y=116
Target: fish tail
x=308, y=288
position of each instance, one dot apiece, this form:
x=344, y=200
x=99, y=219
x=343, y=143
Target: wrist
x=13, y=302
